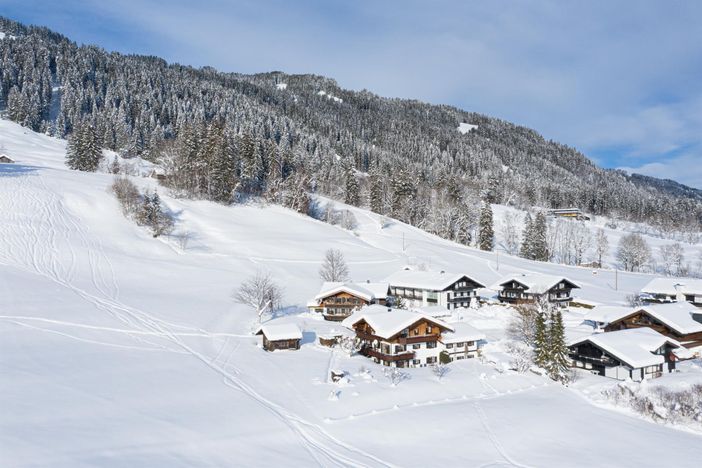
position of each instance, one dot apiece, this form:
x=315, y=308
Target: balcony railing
x=403, y=356
x=417, y=339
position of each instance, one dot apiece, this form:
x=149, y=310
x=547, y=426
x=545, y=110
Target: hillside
x=408, y=157
x=125, y=350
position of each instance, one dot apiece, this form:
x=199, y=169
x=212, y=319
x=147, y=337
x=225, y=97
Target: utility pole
x=616, y=279
x=403, y=242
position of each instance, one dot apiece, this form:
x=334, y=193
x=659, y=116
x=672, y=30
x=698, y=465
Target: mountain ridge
x=137, y=102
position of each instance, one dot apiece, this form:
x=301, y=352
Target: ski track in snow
x=493, y=438
x=38, y=250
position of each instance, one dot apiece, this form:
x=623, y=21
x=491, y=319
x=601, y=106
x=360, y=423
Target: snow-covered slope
x=120, y=349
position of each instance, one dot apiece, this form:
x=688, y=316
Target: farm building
x=282, y=336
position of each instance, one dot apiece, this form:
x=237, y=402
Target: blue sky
x=618, y=80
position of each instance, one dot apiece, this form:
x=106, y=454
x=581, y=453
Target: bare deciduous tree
x=440, y=370
x=522, y=327
x=601, y=245
x=261, y=293
x=672, y=257
x=334, y=266
x=633, y=252
x=510, y=234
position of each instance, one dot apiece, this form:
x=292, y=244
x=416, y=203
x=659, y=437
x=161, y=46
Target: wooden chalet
x=427, y=288
x=532, y=287
x=665, y=290
x=398, y=338
x=282, y=336
x=680, y=321
x=337, y=301
x=5, y=159
x=637, y=354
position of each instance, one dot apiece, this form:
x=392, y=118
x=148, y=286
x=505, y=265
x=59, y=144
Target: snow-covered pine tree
x=559, y=362
x=375, y=191
x=540, y=242
x=352, y=194
x=527, y=248
x=486, y=236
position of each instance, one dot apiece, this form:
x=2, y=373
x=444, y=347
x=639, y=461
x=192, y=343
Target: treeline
x=227, y=136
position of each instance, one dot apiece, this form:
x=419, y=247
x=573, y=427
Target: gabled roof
x=390, y=322
x=607, y=313
x=462, y=332
x=367, y=291
x=534, y=282
x=429, y=280
x=634, y=346
x=283, y=331
x=671, y=286
x=675, y=315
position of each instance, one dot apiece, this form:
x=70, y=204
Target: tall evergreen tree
x=559, y=363
x=375, y=191
x=540, y=241
x=83, y=149
x=352, y=196
x=486, y=236
x=527, y=248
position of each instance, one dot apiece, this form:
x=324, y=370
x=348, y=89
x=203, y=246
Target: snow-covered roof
x=634, y=346
x=672, y=286
x=534, y=282
x=390, y=322
x=583, y=301
x=607, y=313
x=283, y=331
x=429, y=280
x=351, y=320
x=676, y=315
x=434, y=311
x=367, y=291
x=462, y=332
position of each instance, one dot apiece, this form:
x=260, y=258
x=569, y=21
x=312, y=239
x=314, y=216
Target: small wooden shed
x=6, y=159
x=282, y=336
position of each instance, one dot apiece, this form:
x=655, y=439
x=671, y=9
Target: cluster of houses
x=405, y=321
x=402, y=321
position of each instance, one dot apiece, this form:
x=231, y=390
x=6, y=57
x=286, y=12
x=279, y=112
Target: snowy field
x=117, y=349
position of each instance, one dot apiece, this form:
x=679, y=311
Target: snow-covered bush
x=440, y=370
x=395, y=376
x=659, y=403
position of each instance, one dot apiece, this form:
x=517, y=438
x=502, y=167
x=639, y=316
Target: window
x=399, y=349
x=459, y=345
x=449, y=345
x=416, y=346
x=428, y=329
x=431, y=344
x=460, y=357
x=470, y=343
x=415, y=362
x=431, y=360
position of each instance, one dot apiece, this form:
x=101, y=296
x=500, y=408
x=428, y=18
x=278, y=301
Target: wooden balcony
x=403, y=356
x=417, y=339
